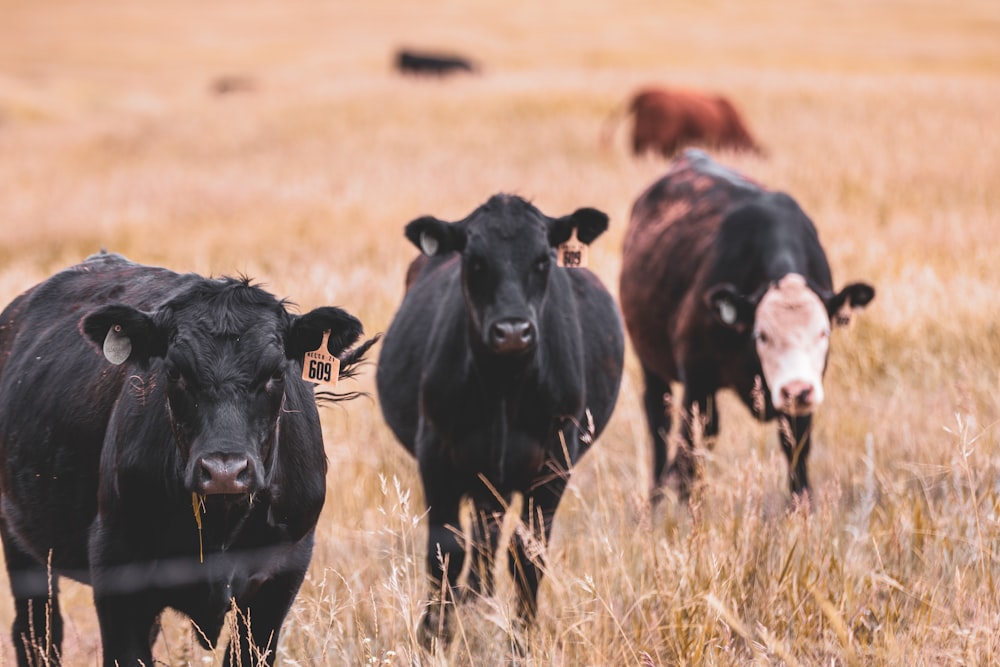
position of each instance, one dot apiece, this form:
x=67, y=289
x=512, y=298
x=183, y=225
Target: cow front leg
x=795, y=434
x=527, y=556
x=37, y=631
x=699, y=423
x=127, y=622
x=659, y=420
x=445, y=553
x=487, y=522
x=257, y=625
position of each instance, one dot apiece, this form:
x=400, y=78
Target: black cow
x=497, y=373
x=434, y=64
x=725, y=285
x=188, y=473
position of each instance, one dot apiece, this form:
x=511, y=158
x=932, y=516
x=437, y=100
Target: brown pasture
x=880, y=117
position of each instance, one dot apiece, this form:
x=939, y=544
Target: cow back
x=55, y=387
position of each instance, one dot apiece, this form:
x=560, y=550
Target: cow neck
x=505, y=375
x=222, y=519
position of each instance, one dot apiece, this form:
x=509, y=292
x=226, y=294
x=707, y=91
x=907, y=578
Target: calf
x=182, y=468
x=498, y=371
x=725, y=284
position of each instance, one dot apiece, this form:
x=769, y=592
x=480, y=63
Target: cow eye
x=760, y=337
x=542, y=264
x=173, y=375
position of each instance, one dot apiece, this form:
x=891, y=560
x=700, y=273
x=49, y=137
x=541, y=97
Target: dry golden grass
x=880, y=118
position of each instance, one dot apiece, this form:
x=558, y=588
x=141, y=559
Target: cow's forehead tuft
x=791, y=294
x=505, y=219
x=230, y=307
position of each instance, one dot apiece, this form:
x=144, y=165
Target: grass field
x=879, y=117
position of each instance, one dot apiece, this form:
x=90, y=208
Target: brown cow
x=667, y=120
x=725, y=285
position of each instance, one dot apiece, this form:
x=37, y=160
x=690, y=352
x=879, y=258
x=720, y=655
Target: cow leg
x=795, y=434
x=445, y=550
x=257, y=625
x=37, y=630
x=658, y=418
x=698, y=423
x=487, y=521
x=527, y=556
x=127, y=623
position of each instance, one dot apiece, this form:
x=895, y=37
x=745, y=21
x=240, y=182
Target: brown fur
x=667, y=120
x=669, y=248
x=725, y=285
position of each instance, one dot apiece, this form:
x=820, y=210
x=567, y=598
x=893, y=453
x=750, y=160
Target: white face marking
x=428, y=244
x=792, y=334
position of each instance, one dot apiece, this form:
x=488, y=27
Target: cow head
x=507, y=253
x=790, y=325
x=225, y=351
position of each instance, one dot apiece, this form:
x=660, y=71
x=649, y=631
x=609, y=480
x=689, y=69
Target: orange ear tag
x=572, y=253
x=320, y=366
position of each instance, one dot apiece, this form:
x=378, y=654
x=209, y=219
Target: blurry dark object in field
x=725, y=285
x=498, y=371
x=184, y=467
x=665, y=121
x=232, y=83
x=432, y=64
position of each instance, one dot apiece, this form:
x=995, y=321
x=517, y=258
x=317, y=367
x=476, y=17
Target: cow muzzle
x=512, y=335
x=224, y=474
x=797, y=398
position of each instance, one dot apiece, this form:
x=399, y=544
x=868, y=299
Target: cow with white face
x=792, y=336
x=725, y=285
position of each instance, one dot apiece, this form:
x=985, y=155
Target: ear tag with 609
x=320, y=366
x=572, y=253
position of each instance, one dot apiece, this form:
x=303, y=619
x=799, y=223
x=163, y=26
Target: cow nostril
x=243, y=475
x=527, y=332
x=499, y=332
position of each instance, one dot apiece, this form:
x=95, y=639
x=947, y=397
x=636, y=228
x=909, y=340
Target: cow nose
x=224, y=474
x=798, y=396
x=511, y=335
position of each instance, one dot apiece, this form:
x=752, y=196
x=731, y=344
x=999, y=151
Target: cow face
x=790, y=325
x=225, y=358
x=506, y=248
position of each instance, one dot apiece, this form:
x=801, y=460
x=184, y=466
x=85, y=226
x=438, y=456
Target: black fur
x=485, y=423
x=98, y=462
x=433, y=64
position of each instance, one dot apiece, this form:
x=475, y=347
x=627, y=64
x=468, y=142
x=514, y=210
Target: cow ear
x=306, y=332
x=730, y=308
x=125, y=334
x=435, y=237
x=842, y=305
x=589, y=223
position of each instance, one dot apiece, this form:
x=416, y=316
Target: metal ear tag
x=572, y=253
x=727, y=312
x=117, y=346
x=321, y=367
x=428, y=244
